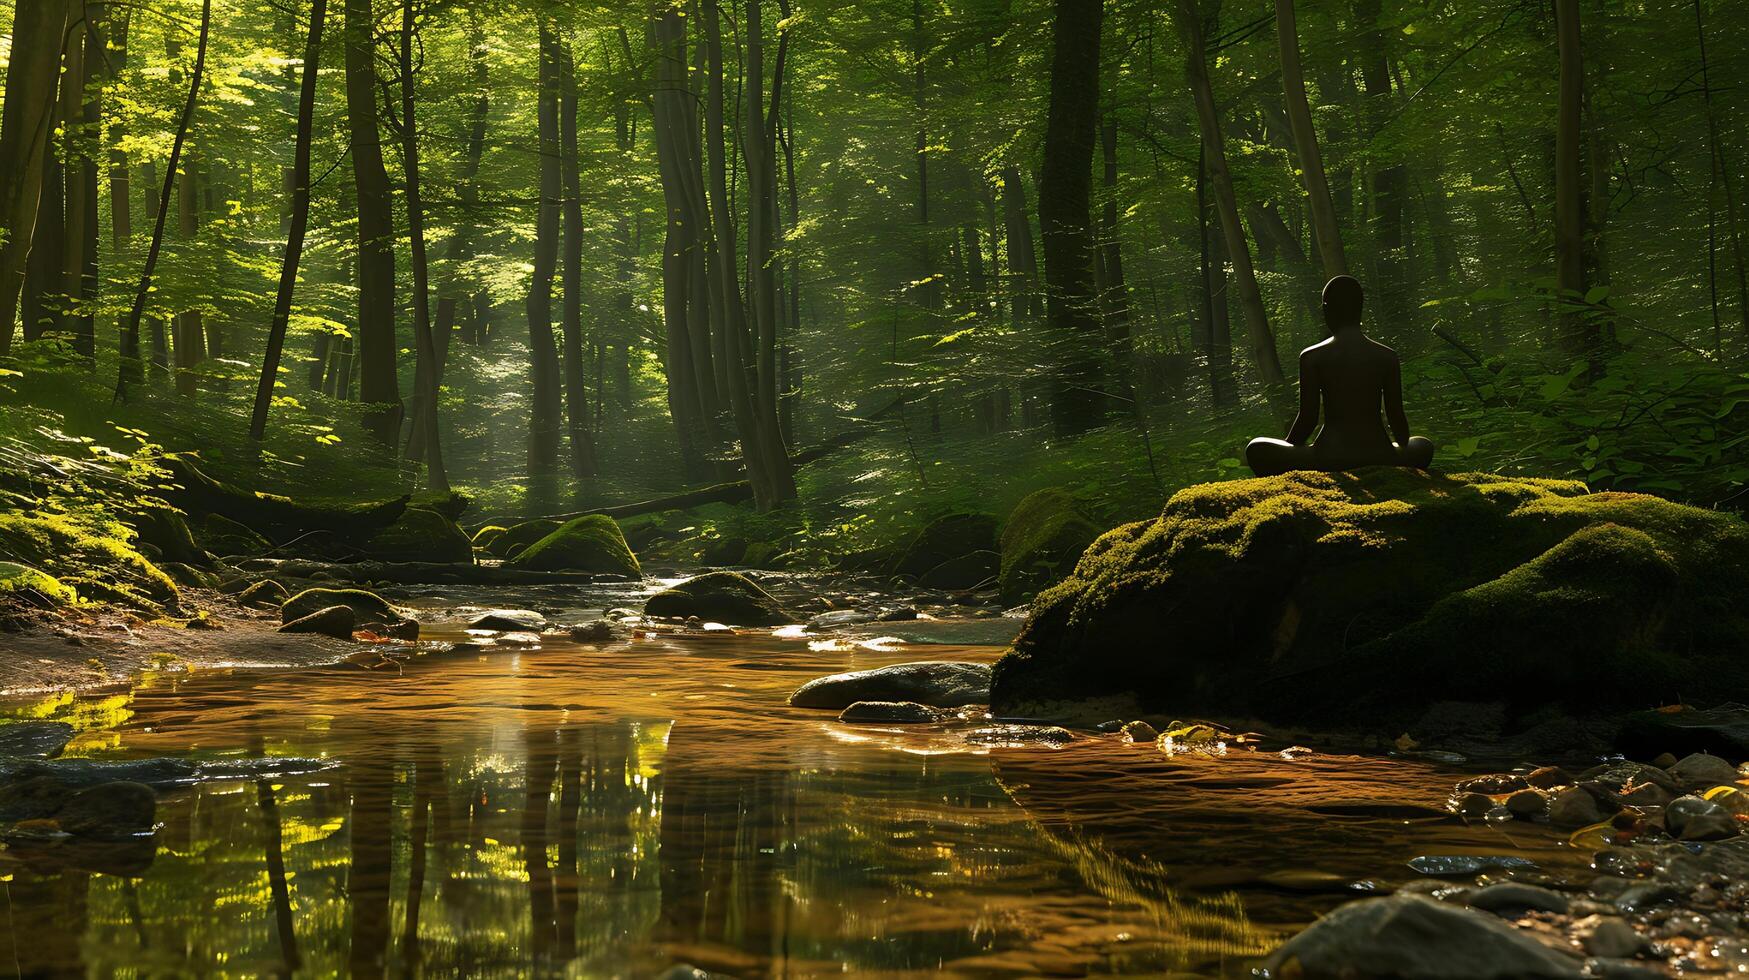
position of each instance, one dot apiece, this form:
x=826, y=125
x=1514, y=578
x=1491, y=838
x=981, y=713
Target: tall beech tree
x=27, y=125
x=378, y=384
x=1326, y=235
x=544, y=428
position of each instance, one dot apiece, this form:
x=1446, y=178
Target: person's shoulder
x=1317, y=349
x=1383, y=350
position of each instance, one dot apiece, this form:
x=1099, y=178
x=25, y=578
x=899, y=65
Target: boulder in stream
x=420, y=534
x=1365, y=597
x=1407, y=936
x=516, y=537
x=953, y=552
x=509, y=620
x=335, y=621
x=937, y=683
x=720, y=597
x=587, y=544
x=39, y=739
x=889, y=713
x=368, y=607
x=264, y=594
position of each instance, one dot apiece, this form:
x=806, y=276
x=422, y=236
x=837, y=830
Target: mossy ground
x=101, y=557
x=587, y=544
x=1312, y=596
x=22, y=581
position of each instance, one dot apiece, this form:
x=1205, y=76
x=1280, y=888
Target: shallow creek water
x=616, y=809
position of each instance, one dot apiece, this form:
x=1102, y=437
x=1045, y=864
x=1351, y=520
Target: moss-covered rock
x=1041, y=541
x=519, y=536
x=223, y=536
x=719, y=597
x=368, y=607
x=335, y=621
x=1364, y=597
x=167, y=530
x=34, y=586
x=265, y=594
x=587, y=544
x=421, y=535
x=68, y=549
x=947, y=539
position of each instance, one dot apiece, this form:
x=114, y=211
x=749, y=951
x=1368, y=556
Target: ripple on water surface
x=614, y=810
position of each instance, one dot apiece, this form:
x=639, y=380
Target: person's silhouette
x=1354, y=377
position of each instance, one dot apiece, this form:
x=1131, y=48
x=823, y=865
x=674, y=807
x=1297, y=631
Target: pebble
x=1140, y=731
x=1701, y=771
x=1612, y=938
x=1510, y=898
x=1574, y=807
x=1692, y=818
x=1493, y=784
x=1548, y=777
x=1528, y=804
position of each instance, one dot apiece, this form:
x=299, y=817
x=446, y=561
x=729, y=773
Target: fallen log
x=271, y=515
x=417, y=573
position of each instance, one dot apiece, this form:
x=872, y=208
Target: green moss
x=165, y=529
x=421, y=535
x=1041, y=541
x=368, y=606
x=65, y=548
x=21, y=580
x=1369, y=595
x=484, y=537
x=518, y=536
x=587, y=544
x=722, y=597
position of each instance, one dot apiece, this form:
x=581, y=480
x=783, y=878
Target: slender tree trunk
x=1022, y=254
x=1720, y=172
x=1212, y=334
x=1325, y=233
x=455, y=288
x=544, y=425
x=1263, y=353
x=78, y=239
x=378, y=385
x=1064, y=196
x=759, y=139
x=299, y=220
x=162, y=211
x=121, y=227
x=436, y=477
x=576, y=395
x=1390, y=181
x=1569, y=207
x=188, y=332
x=26, y=127
x=44, y=290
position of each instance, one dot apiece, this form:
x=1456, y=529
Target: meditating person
x=1355, y=377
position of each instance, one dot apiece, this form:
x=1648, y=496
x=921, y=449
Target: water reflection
x=568, y=811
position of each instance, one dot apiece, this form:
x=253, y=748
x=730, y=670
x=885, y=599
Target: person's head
x=1343, y=299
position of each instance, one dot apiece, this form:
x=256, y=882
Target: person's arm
x=1307, y=420
x=1394, y=402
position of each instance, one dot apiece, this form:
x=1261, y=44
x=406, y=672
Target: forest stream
x=554, y=807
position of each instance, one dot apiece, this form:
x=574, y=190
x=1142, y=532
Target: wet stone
x=1701, y=771
x=509, y=621
x=1512, y=898
x=941, y=684
x=1527, y=804
x=1493, y=784
x=1574, y=807
x=1692, y=818
x=1409, y=936
x=334, y=621
x=1140, y=731
x=1548, y=777
x=110, y=811
x=40, y=739
x=889, y=712
x=1612, y=938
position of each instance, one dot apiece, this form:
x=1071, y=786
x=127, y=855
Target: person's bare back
x=1355, y=383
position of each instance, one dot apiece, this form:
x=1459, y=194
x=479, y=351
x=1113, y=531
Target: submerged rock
x=889, y=712
x=335, y=621
x=109, y=811
x=510, y=620
x=1511, y=898
x=1330, y=597
x=940, y=684
x=599, y=631
x=722, y=597
x=1041, y=541
x=1409, y=936
x=587, y=544
x=41, y=739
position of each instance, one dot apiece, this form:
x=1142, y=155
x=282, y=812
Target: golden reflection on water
x=568, y=810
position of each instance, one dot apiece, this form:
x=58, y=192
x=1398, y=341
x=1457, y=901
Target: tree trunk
x=1720, y=172
x=1215, y=334
x=298, y=221
x=576, y=396
x=1390, y=181
x=759, y=139
x=378, y=385
x=455, y=288
x=436, y=477
x=79, y=239
x=543, y=423
x=1065, y=184
x=1263, y=353
x=1325, y=233
x=26, y=127
x=44, y=290
x=1569, y=209
x=160, y=213
x=1022, y=255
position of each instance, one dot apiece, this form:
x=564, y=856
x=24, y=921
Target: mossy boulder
x=1041, y=541
x=335, y=621
x=1360, y=599
x=368, y=607
x=165, y=529
x=34, y=586
x=954, y=538
x=265, y=594
x=587, y=544
x=421, y=535
x=223, y=536
x=720, y=597
x=518, y=536
x=67, y=549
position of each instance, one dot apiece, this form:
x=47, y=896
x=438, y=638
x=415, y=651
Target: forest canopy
x=890, y=259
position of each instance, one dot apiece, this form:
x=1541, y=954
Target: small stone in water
x=1493, y=784
x=1474, y=806
x=1140, y=731
x=1527, y=804
x=1512, y=897
x=1692, y=818
x=1548, y=777
x=1701, y=771
x=1612, y=938
x=1451, y=865
x=1574, y=807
